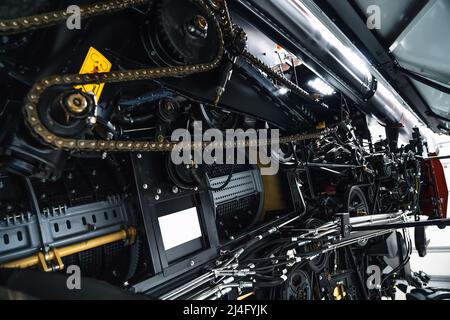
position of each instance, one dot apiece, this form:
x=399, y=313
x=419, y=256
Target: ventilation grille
x=241, y=185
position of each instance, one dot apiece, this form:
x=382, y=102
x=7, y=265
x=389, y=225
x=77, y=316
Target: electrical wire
x=209, y=188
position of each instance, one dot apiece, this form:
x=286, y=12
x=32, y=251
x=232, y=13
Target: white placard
x=179, y=227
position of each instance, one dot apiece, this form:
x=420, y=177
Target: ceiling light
x=321, y=87
x=283, y=91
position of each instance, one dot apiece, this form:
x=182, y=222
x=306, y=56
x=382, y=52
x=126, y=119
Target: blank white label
x=179, y=227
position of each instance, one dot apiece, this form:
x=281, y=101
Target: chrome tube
x=327, y=47
x=377, y=217
x=308, y=30
x=197, y=282
x=226, y=283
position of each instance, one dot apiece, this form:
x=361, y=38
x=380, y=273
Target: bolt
x=139, y=156
x=77, y=103
x=169, y=106
x=192, y=263
x=158, y=191
x=201, y=23
x=215, y=3
x=175, y=189
x=109, y=136
x=145, y=186
x=156, y=197
x=91, y=120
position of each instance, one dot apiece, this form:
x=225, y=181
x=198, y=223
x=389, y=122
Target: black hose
x=134, y=120
x=205, y=187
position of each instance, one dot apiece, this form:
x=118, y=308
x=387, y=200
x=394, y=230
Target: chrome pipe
x=307, y=30
x=197, y=282
x=305, y=25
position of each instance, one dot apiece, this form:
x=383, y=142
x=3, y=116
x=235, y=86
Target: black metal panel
x=396, y=15
x=157, y=198
x=246, y=93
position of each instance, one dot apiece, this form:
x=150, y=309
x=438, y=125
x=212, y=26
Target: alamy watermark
x=374, y=277
x=232, y=147
x=73, y=281
x=73, y=22
x=374, y=17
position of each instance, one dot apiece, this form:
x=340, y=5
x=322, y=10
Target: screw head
x=169, y=106
x=145, y=186
x=139, y=156
x=91, y=120
x=201, y=23
x=192, y=263
x=156, y=197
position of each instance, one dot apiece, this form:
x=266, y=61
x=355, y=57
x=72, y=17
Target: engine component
x=24, y=157
x=356, y=202
x=238, y=205
x=95, y=183
x=65, y=112
x=181, y=33
x=297, y=287
x=25, y=233
x=219, y=118
x=56, y=255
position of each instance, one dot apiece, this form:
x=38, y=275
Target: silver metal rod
x=188, y=286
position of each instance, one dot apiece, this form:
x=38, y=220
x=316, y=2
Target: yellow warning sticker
x=94, y=62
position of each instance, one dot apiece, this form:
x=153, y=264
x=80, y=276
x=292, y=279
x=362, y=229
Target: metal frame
x=346, y=16
x=58, y=227
x=163, y=268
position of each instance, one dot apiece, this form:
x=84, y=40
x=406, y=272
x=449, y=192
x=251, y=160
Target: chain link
x=10, y=26
x=223, y=24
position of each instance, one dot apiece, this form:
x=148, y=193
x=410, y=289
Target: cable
x=203, y=186
x=405, y=261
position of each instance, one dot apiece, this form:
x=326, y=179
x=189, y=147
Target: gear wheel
x=181, y=33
